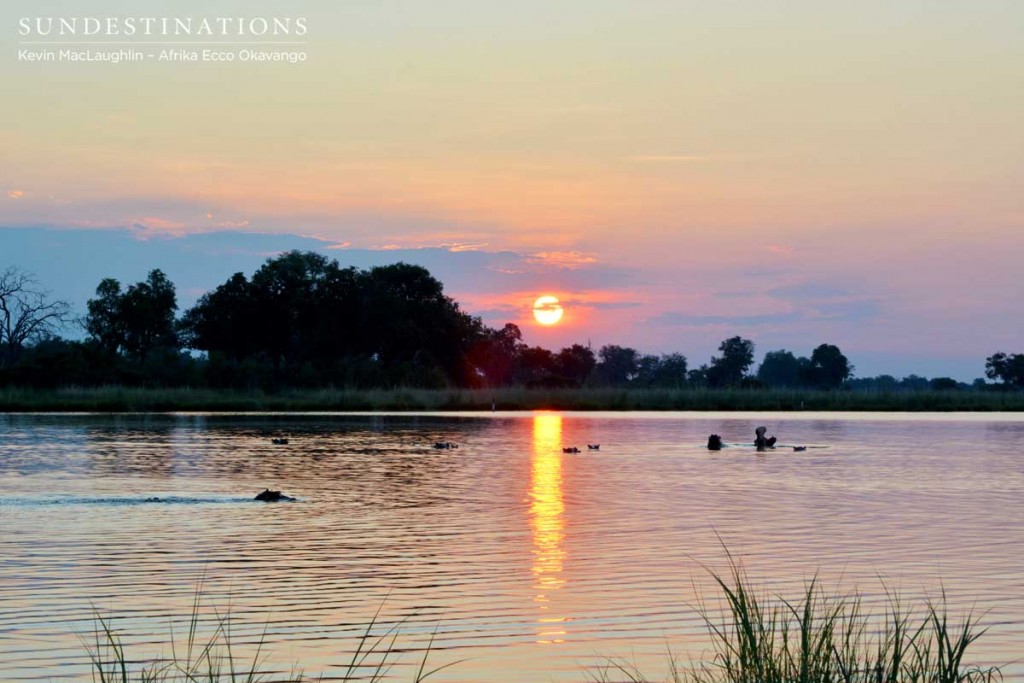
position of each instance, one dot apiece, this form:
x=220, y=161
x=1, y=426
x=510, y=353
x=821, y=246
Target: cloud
x=680, y=319
x=614, y=305
x=455, y=248
x=147, y=227
x=570, y=260
x=847, y=310
x=15, y=194
x=671, y=158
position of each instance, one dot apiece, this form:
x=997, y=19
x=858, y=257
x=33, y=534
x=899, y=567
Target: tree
x=536, y=366
x=575, y=363
x=497, y=353
x=1007, y=368
x=225, y=320
x=731, y=367
x=914, y=383
x=406, y=312
x=944, y=384
x=782, y=369
x=27, y=313
x=698, y=377
x=668, y=370
x=671, y=371
x=147, y=313
x=829, y=367
x=285, y=291
x=104, y=322
x=136, y=321
x=618, y=364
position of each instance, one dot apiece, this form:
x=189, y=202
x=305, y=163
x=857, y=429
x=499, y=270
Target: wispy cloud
x=456, y=248
x=152, y=226
x=15, y=194
x=562, y=259
x=672, y=158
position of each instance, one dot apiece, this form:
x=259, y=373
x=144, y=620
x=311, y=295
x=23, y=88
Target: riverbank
x=123, y=399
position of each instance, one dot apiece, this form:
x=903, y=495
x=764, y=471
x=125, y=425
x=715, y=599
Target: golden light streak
x=547, y=521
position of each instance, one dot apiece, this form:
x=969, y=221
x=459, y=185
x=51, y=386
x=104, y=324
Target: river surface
x=530, y=564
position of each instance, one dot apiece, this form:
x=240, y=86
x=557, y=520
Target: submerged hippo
x=714, y=442
x=268, y=496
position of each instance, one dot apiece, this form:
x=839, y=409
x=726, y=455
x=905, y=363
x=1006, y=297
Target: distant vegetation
x=303, y=322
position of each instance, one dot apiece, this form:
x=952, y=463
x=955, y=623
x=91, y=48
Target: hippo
x=714, y=442
x=268, y=496
x=761, y=442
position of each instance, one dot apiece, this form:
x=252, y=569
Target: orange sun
x=547, y=310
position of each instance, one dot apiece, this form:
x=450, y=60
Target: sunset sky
x=675, y=172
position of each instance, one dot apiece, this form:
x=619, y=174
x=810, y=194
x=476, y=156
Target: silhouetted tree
x=782, y=369
x=225, y=320
x=497, y=354
x=671, y=371
x=136, y=321
x=731, y=367
x=104, y=322
x=27, y=313
x=829, y=367
x=286, y=290
x=617, y=365
x=944, y=384
x=406, y=312
x=1007, y=368
x=576, y=363
x=914, y=383
x=698, y=377
x=536, y=366
x=668, y=371
x=316, y=322
x=147, y=314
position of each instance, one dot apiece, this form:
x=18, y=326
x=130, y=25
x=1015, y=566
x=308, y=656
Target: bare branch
x=27, y=313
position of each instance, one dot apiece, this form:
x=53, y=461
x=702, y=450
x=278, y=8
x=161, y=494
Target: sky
x=676, y=172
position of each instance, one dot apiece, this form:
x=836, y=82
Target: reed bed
x=126, y=399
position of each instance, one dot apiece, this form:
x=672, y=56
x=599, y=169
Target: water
x=530, y=563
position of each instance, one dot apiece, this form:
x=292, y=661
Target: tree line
x=302, y=320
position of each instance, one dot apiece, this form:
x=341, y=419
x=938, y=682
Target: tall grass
x=756, y=637
x=213, y=658
x=823, y=638
x=127, y=399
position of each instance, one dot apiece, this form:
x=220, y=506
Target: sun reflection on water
x=547, y=520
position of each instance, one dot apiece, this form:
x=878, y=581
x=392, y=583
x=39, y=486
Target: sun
x=547, y=310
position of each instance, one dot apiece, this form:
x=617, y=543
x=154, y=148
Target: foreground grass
x=823, y=638
x=124, y=399
x=213, y=659
x=756, y=637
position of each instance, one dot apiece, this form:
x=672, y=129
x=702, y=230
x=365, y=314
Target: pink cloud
x=570, y=260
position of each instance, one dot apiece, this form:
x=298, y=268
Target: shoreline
x=144, y=400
